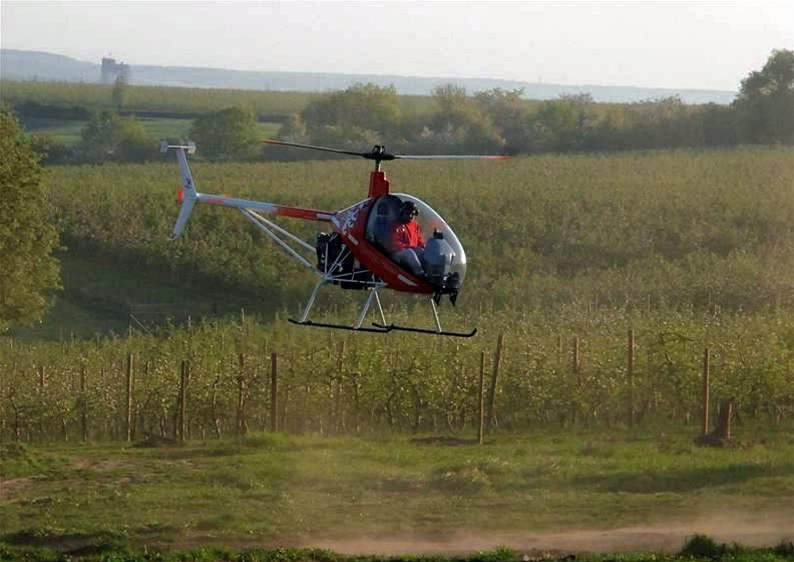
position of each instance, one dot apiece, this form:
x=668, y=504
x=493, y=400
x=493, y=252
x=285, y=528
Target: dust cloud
x=749, y=529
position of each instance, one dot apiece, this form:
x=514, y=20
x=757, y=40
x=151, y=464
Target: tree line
x=494, y=121
x=500, y=121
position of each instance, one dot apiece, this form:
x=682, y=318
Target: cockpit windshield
x=436, y=246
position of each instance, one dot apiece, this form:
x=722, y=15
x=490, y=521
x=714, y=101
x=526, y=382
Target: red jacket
x=406, y=236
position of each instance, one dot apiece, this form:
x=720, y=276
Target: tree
x=119, y=93
x=366, y=106
x=564, y=124
x=228, y=134
x=29, y=271
x=766, y=100
x=50, y=149
x=508, y=112
x=455, y=108
x=458, y=126
x=109, y=137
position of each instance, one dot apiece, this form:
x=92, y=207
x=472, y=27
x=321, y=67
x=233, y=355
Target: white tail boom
x=189, y=197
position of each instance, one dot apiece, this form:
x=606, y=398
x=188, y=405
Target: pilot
x=406, y=239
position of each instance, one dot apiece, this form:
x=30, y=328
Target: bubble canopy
x=430, y=221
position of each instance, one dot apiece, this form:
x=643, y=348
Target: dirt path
x=7, y=486
x=745, y=529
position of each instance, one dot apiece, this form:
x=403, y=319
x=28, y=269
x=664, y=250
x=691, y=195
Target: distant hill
x=31, y=65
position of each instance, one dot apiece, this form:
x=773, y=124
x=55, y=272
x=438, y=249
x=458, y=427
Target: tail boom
x=267, y=208
x=189, y=196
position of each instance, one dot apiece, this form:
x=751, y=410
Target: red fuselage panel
x=350, y=224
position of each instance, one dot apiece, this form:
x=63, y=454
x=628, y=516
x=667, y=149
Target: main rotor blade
x=379, y=154
x=449, y=157
x=312, y=147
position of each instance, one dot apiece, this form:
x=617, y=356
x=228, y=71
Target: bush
x=228, y=134
x=702, y=546
x=50, y=149
x=110, y=137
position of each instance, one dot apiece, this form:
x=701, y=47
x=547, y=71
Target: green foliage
x=501, y=554
x=119, y=93
x=558, y=246
x=29, y=272
x=228, y=134
x=702, y=546
x=110, y=137
x=219, y=492
x=676, y=229
x=187, y=102
x=449, y=121
x=361, y=106
x=766, y=100
x=509, y=113
x=457, y=127
x=335, y=383
x=49, y=149
x=564, y=125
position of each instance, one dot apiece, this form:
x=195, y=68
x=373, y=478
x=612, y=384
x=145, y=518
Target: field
x=689, y=249
x=530, y=491
x=68, y=131
x=681, y=228
x=591, y=444
x=171, y=100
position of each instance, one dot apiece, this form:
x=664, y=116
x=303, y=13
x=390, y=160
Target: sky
x=667, y=44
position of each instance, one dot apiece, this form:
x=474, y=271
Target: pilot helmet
x=408, y=211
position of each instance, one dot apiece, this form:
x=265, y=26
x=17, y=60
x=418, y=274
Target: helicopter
x=359, y=251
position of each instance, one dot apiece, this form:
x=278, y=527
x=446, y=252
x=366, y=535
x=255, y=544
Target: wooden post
x=274, y=392
x=183, y=401
x=575, y=371
x=481, y=416
x=722, y=430
x=575, y=358
x=241, y=396
x=128, y=418
x=630, y=375
x=83, y=407
x=560, y=349
x=706, y=375
x=494, y=375
x=42, y=384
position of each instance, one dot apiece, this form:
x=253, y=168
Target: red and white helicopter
x=358, y=253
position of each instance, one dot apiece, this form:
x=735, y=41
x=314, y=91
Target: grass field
x=582, y=491
x=68, y=131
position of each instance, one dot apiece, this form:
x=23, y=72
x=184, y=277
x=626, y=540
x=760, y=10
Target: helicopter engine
x=438, y=258
x=334, y=258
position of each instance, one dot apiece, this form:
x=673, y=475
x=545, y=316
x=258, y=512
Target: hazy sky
x=684, y=44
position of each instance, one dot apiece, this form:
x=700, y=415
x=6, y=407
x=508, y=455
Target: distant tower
x=112, y=70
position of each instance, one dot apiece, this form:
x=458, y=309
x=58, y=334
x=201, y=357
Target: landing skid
x=378, y=328
x=397, y=328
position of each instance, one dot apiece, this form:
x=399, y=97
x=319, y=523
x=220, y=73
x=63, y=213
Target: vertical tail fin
x=188, y=195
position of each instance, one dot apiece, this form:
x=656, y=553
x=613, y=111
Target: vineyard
x=575, y=368
x=689, y=250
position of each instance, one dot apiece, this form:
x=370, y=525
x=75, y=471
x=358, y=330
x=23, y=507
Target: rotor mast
x=378, y=184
